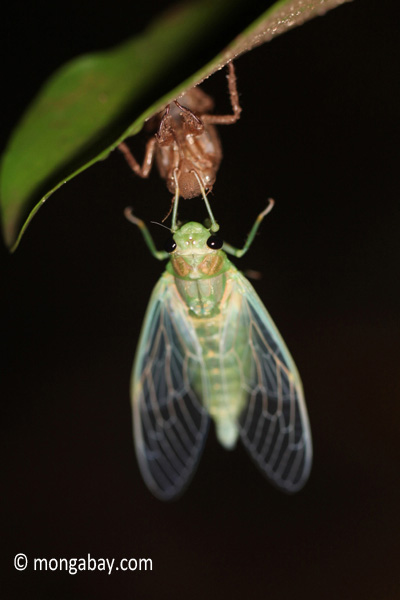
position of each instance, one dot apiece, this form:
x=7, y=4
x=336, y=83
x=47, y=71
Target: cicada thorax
x=200, y=280
x=198, y=266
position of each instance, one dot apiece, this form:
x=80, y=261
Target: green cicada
x=209, y=348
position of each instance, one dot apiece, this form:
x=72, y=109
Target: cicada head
x=191, y=239
x=195, y=252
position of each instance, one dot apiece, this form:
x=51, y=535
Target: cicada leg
x=175, y=202
x=158, y=254
x=214, y=225
x=174, y=227
x=238, y=252
x=234, y=97
x=144, y=169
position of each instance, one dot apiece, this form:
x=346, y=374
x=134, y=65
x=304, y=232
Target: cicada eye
x=214, y=242
x=170, y=245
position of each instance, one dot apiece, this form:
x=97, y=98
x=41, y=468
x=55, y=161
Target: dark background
x=319, y=133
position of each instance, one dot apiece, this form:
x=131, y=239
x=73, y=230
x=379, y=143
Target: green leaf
x=92, y=103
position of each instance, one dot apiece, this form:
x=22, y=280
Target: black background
x=319, y=133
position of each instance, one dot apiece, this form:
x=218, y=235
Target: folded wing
x=170, y=423
x=274, y=425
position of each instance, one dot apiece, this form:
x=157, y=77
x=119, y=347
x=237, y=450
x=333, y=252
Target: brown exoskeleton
x=186, y=145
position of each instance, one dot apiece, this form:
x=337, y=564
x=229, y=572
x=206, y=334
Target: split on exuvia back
x=209, y=350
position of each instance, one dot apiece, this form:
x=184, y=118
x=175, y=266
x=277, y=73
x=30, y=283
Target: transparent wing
x=170, y=424
x=274, y=425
